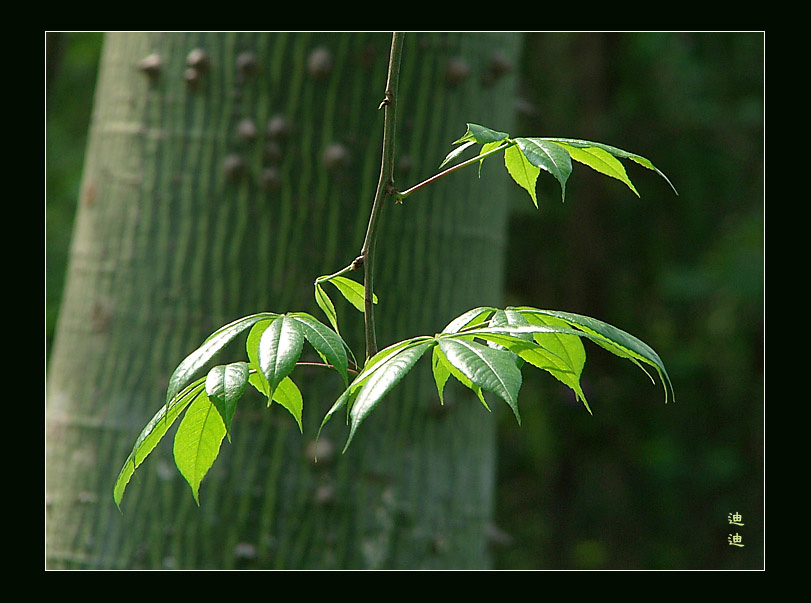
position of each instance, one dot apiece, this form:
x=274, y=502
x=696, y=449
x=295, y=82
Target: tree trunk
x=218, y=188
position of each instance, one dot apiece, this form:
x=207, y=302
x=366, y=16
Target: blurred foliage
x=639, y=485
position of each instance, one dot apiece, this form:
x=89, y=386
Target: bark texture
x=219, y=187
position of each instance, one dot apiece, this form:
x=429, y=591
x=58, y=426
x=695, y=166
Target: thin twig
x=385, y=187
x=402, y=195
x=326, y=365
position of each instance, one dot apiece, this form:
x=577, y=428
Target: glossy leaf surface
x=197, y=441
x=224, y=387
x=373, y=364
x=326, y=305
x=382, y=380
x=352, y=291
x=601, y=161
x=153, y=433
x=491, y=369
x=547, y=156
x=279, y=349
x=481, y=135
x=213, y=344
x=289, y=396
x=326, y=342
x=615, y=152
x=522, y=171
x=611, y=338
x=456, y=152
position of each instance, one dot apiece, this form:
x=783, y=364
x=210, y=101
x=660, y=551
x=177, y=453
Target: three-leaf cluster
x=524, y=158
x=485, y=349
x=274, y=345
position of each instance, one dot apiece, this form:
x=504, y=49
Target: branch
x=385, y=187
x=402, y=195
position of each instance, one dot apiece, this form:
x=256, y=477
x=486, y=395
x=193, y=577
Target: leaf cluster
x=484, y=349
x=274, y=346
x=524, y=158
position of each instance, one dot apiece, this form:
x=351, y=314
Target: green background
x=639, y=485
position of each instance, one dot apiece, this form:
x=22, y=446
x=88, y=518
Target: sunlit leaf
x=256, y=378
x=601, y=161
x=469, y=318
x=153, y=433
x=197, y=442
x=492, y=370
x=289, y=396
x=213, y=344
x=444, y=365
x=615, y=152
x=522, y=171
x=482, y=135
x=279, y=349
x=441, y=373
x=563, y=351
x=611, y=338
x=328, y=344
x=326, y=305
x=456, y=152
x=224, y=387
x=486, y=148
x=390, y=372
x=375, y=362
x=548, y=156
x=372, y=365
x=353, y=291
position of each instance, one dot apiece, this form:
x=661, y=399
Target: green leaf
x=213, y=344
x=153, y=433
x=563, y=351
x=611, y=338
x=510, y=319
x=613, y=151
x=352, y=291
x=522, y=171
x=279, y=349
x=445, y=365
x=224, y=387
x=326, y=305
x=468, y=319
x=328, y=344
x=482, y=135
x=289, y=396
x=342, y=401
x=491, y=369
x=197, y=442
x=389, y=373
x=441, y=373
x=256, y=378
x=548, y=156
x=372, y=365
x=456, y=152
x=486, y=148
x=375, y=362
x=601, y=161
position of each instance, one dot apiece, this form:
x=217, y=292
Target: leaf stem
x=385, y=187
x=341, y=272
x=326, y=365
x=402, y=195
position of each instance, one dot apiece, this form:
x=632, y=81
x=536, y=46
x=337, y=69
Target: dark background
x=640, y=484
